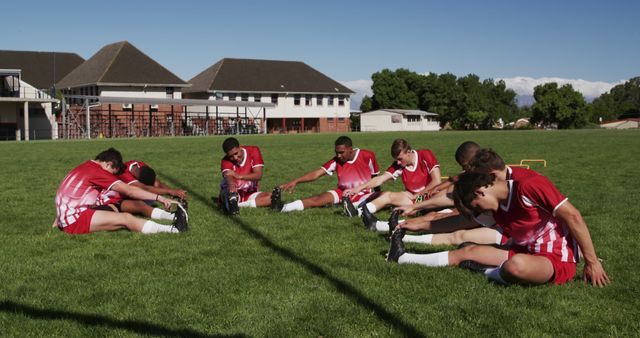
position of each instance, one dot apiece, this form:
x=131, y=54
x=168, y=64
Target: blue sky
x=596, y=41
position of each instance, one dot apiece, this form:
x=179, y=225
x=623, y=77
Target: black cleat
x=276, y=199
x=348, y=207
x=393, y=221
x=396, y=248
x=181, y=219
x=233, y=200
x=369, y=219
x=184, y=204
x=474, y=266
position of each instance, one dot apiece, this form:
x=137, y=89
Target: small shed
x=399, y=120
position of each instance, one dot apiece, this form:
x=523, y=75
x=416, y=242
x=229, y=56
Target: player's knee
x=516, y=266
x=458, y=237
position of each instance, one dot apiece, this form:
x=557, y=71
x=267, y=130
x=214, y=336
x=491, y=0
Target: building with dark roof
x=306, y=100
x=26, y=82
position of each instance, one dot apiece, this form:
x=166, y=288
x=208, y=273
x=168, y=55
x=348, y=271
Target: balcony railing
x=25, y=92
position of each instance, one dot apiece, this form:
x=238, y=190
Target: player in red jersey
x=419, y=170
x=546, y=231
x=353, y=166
x=241, y=169
x=143, y=176
x=76, y=212
x=457, y=229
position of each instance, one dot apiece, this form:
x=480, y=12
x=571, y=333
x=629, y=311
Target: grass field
x=308, y=274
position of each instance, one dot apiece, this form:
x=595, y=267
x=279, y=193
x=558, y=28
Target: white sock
x=293, y=206
x=248, y=204
x=494, y=275
x=158, y=213
x=434, y=259
x=382, y=226
x=422, y=239
x=371, y=207
x=151, y=227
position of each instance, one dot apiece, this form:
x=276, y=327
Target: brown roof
x=40, y=69
x=244, y=75
x=120, y=63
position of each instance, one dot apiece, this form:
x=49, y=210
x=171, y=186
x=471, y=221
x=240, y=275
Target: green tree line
x=471, y=103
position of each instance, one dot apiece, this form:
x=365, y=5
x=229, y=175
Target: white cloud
x=524, y=85
x=362, y=88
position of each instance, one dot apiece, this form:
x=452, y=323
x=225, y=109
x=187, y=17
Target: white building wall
x=383, y=121
x=137, y=92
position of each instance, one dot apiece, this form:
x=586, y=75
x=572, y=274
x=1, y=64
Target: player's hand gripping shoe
x=349, y=209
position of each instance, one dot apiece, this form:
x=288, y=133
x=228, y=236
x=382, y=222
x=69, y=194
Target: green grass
x=307, y=274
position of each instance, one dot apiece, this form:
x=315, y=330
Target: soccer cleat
x=181, y=219
x=184, y=204
x=474, y=266
x=393, y=221
x=233, y=200
x=396, y=248
x=369, y=219
x=348, y=207
x=276, y=199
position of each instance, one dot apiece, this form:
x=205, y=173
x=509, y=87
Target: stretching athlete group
x=509, y=223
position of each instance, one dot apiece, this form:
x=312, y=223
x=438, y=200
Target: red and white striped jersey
x=355, y=172
x=79, y=190
x=418, y=176
x=111, y=197
x=529, y=220
x=251, y=158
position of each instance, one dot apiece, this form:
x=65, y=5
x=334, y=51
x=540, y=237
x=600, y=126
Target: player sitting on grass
x=241, y=171
x=76, y=212
x=439, y=198
x=141, y=175
x=353, y=166
x=419, y=170
x=543, y=225
x=457, y=229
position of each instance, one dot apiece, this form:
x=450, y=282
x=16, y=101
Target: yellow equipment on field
x=544, y=162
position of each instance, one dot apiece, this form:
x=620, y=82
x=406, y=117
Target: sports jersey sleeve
x=373, y=163
x=539, y=191
x=225, y=165
x=330, y=166
x=395, y=170
x=429, y=158
x=127, y=177
x=103, y=179
x=256, y=157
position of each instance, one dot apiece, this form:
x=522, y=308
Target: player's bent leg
x=527, y=269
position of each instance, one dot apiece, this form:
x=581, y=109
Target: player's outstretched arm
x=162, y=190
x=141, y=194
x=308, y=177
x=372, y=183
x=593, y=269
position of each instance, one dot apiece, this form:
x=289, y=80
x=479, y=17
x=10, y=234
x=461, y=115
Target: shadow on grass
x=340, y=285
x=135, y=326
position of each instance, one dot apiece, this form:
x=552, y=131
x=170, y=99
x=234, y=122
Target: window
x=319, y=100
x=274, y=98
x=296, y=100
x=307, y=100
x=396, y=119
x=330, y=119
x=244, y=97
x=330, y=100
x=341, y=119
x=413, y=118
x=340, y=101
x=169, y=92
x=257, y=97
x=232, y=96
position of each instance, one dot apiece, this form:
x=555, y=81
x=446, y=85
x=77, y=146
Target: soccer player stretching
x=545, y=229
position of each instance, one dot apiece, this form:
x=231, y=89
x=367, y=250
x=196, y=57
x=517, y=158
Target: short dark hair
x=113, y=156
x=486, y=161
x=464, y=189
x=398, y=146
x=146, y=175
x=229, y=144
x=344, y=141
x=465, y=153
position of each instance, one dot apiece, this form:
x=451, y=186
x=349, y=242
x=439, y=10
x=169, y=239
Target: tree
x=391, y=91
x=366, y=104
x=562, y=106
x=622, y=100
